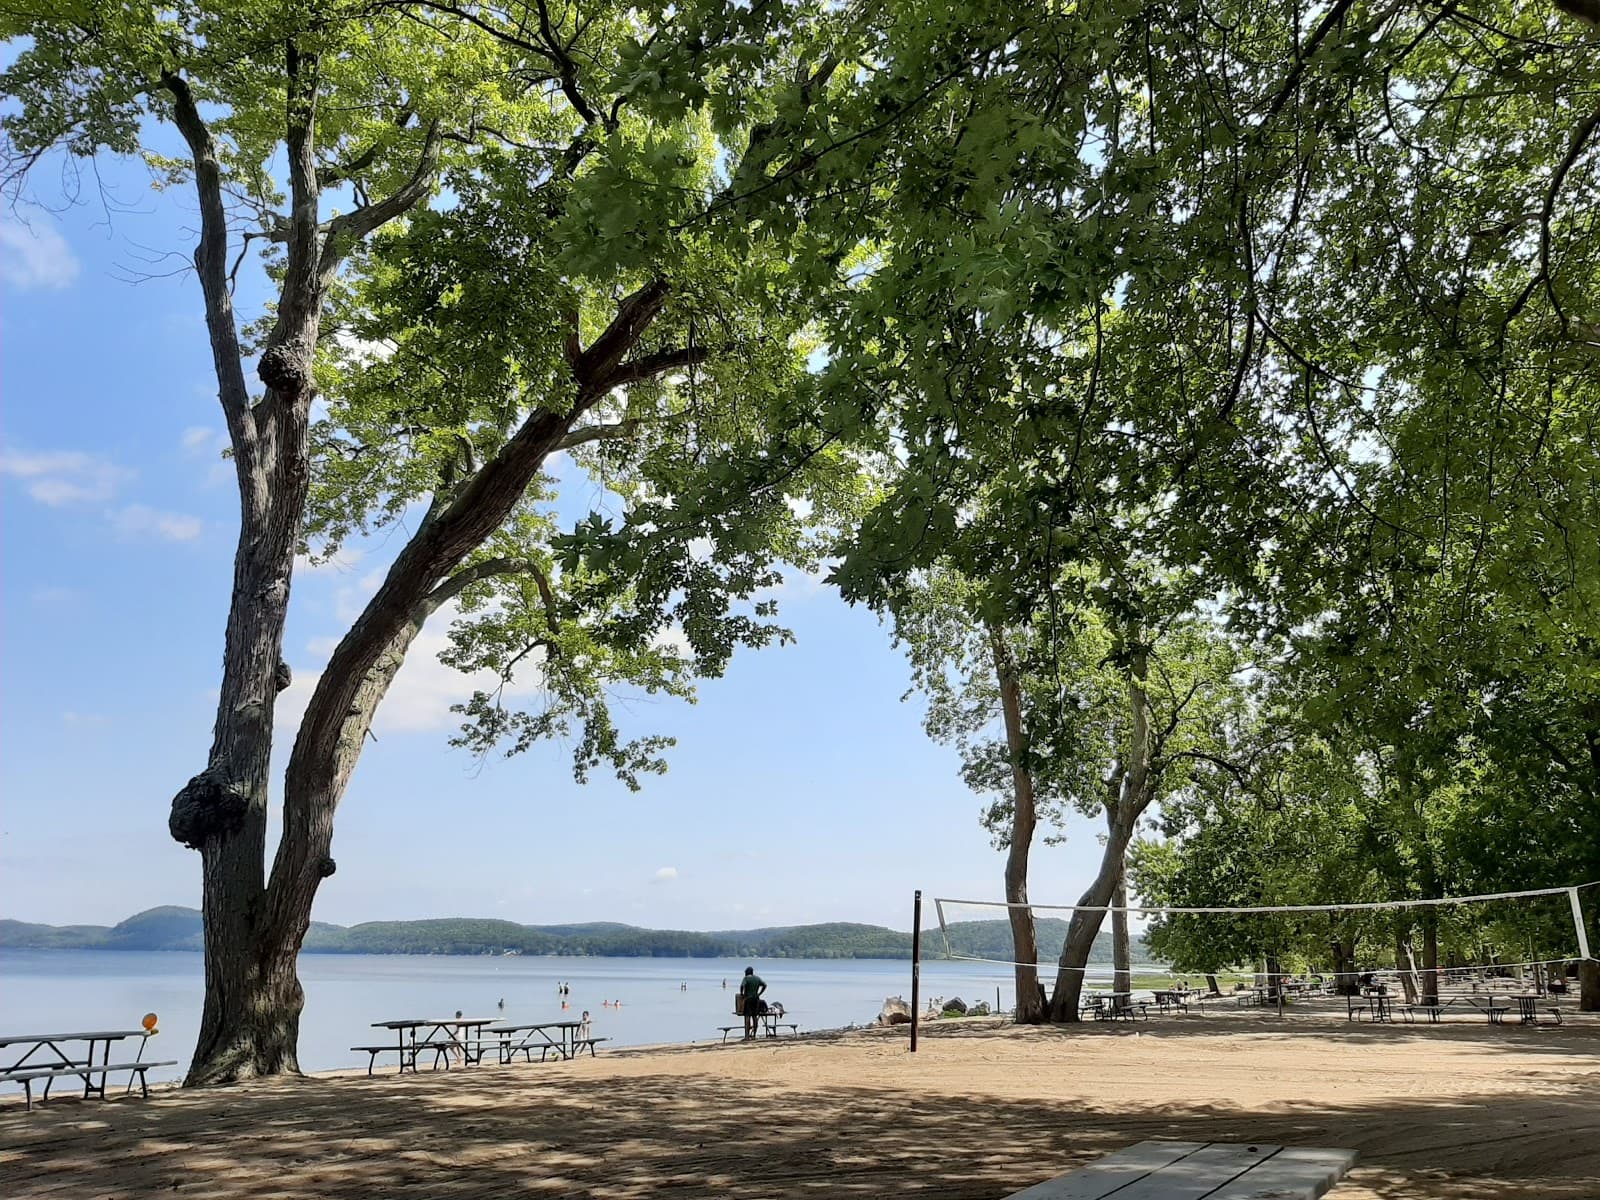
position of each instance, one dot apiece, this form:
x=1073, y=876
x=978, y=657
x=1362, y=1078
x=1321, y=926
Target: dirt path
x=1458, y=1112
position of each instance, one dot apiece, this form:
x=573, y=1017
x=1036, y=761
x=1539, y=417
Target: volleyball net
x=1470, y=937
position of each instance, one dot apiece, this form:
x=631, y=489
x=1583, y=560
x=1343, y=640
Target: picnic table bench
x=54, y=1062
x=767, y=1023
x=1160, y=1170
x=1433, y=1011
x=1111, y=1006
x=446, y=1036
x=569, y=1040
x=1528, y=1010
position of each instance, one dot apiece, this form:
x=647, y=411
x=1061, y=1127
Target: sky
x=802, y=787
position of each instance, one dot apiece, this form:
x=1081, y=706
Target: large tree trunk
x=1589, y=985
x=1346, y=981
x=1128, y=793
x=249, y=1022
x=1024, y=943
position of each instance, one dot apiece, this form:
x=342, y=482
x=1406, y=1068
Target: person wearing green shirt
x=750, y=988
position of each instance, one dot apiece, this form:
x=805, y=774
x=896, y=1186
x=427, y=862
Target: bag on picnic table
x=738, y=1004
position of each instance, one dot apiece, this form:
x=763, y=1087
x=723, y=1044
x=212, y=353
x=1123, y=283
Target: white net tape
x=1581, y=945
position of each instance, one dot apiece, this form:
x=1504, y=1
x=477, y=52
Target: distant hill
x=173, y=928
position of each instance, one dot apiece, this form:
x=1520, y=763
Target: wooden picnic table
x=50, y=1056
x=537, y=1036
x=445, y=1036
x=767, y=1023
x=1160, y=1170
x=1528, y=1008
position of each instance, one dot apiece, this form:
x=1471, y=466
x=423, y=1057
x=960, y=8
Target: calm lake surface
x=662, y=999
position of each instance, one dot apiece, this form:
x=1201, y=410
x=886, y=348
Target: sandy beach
x=1463, y=1111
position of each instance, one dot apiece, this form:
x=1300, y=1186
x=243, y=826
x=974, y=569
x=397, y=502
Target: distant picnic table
x=525, y=1039
x=52, y=1056
x=445, y=1037
x=767, y=1023
x=468, y=1039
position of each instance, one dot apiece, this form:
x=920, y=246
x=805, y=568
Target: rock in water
x=895, y=1012
x=954, y=1007
x=980, y=1009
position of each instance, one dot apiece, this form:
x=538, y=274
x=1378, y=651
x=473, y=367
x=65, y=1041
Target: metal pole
x=916, y=965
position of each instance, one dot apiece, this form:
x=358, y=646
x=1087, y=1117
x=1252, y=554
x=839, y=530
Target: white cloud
x=664, y=875
x=36, y=257
x=139, y=520
x=196, y=437
x=208, y=445
x=60, y=477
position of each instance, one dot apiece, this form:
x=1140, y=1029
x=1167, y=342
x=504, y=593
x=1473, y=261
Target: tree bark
x=250, y=1019
x=1589, y=986
x=1346, y=980
x=1129, y=792
x=1121, y=950
x=1024, y=816
x=1405, y=965
x=1430, y=955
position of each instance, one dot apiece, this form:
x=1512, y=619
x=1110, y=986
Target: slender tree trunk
x=1405, y=965
x=1128, y=794
x=1024, y=942
x=1430, y=955
x=1121, y=950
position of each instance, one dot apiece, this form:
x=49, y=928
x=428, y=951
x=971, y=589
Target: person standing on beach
x=750, y=988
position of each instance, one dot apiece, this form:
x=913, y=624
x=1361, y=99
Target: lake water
x=662, y=999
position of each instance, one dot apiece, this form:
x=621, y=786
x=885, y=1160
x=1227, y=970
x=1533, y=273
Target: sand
x=983, y=1108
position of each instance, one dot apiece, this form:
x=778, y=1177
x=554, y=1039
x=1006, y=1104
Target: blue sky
x=802, y=788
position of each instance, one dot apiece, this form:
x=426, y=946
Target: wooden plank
x=1294, y=1173
x=102, y=1035
x=1105, y=1175
x=1197, y=1175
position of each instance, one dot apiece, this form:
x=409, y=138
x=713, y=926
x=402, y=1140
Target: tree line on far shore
x=177, y=928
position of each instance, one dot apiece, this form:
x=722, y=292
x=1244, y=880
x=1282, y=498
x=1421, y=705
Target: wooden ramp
x=1200, y=1171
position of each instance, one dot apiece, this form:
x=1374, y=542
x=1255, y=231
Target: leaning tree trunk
x=1128, y=793
x=1024, y=942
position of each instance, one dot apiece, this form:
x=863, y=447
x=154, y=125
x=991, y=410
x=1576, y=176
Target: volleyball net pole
x=916, y=963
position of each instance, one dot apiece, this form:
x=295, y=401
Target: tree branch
x=346, y=230
x=477, y=573
x=651, y=365
x=566, y=65
x=301, y=297
x=211, y=265
x=1580, y=138
x=599, y=363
